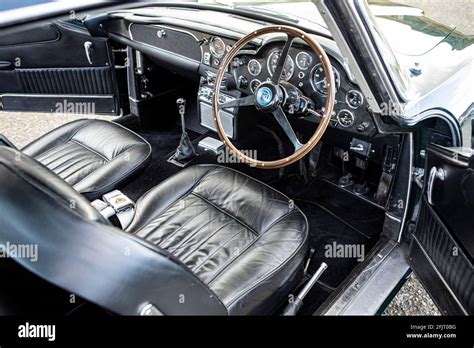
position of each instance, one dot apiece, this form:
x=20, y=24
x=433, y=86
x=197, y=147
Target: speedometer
x=318, y=79
x=217, y=47
x=288, y=68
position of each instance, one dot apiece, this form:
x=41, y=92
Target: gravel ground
x=23, y=127
x=412, y=299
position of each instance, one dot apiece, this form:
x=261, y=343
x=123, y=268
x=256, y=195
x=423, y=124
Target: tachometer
x=288, y=68
x=318, y=79
x=303, y=60
x=217, y=47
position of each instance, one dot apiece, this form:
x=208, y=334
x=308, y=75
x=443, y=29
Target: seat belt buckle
x=118, y=201
x=103, y=208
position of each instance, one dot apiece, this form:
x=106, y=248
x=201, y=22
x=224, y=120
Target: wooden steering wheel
x=271, y=96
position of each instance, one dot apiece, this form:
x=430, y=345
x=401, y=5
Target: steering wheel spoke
x=236, y=103
x=282, y=120
x=276, y=77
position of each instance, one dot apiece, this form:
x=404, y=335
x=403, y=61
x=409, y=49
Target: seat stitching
x=278, y=220
x=78, y=170
x=66, y=140
x=155, y=219
x=231, y=260
x=67, y=165
x=223, y=211
x=195, y=268
x=189, y=236
x=275, y=270
x=184, y=257
x=180, y=227
x=185, y=194
x=89, y=149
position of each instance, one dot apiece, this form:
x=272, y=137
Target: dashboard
x=197, y=49
x=303, y=69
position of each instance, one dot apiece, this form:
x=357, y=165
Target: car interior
x=245, y=231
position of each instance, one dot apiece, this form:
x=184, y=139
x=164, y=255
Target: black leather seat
x=93, y=156
x=226, y=242
x=242, y=238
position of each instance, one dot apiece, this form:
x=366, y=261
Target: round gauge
x=303, y=60
x=318, y=79
x=254, y=67
x=354, y=99
x=254, y=85
x=345, y=118
x=288, y=68
x=217, y=47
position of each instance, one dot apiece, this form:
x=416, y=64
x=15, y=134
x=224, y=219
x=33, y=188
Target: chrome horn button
x=268, y=97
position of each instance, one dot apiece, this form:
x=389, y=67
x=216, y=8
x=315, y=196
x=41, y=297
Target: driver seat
x=243, y=239
x=226, y=242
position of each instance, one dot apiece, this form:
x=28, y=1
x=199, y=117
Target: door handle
x=435, y=173
x=88, y=49
x=6, y=65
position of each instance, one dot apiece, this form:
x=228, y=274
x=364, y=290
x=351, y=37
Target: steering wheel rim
x=292, y=34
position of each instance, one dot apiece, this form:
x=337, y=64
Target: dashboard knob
x=161, y=33
x=243, y=82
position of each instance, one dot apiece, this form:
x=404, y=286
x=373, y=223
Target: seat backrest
x=28, y=171
x=80, y=253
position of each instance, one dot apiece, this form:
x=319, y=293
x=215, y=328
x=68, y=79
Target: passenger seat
x=93, y=156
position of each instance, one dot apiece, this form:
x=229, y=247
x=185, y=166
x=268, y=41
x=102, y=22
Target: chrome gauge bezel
x=259, y=67
x=361, y=99
x=250, y=84
x=339, y=119
x=337, y=77
x=288, y=57
x=297, y=60
x=212, y=48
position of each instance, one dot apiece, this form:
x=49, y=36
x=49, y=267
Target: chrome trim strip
x=354, y=298
x=410, y=181
x=345, y=50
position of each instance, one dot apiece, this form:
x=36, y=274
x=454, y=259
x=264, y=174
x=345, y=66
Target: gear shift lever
x=185, y=151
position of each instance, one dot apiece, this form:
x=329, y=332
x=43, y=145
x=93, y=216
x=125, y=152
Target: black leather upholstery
x=228, y=243
x=93, y=156
x=242, y=238
x=40, y=177
x=80, y=252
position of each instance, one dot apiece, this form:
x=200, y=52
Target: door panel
x=442, y=248
x=59, y=64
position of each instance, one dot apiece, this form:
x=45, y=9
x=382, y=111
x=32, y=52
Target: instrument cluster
x=304, y=70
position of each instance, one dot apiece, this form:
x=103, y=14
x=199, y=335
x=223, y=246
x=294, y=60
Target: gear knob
x=181, y=103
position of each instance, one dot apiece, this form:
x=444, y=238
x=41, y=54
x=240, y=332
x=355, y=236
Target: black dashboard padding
x=174, y=41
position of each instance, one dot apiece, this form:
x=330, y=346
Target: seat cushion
x=242, y=238
x=93, y=156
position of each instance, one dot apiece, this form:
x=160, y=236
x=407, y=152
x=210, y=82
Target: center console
x=229, y=117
